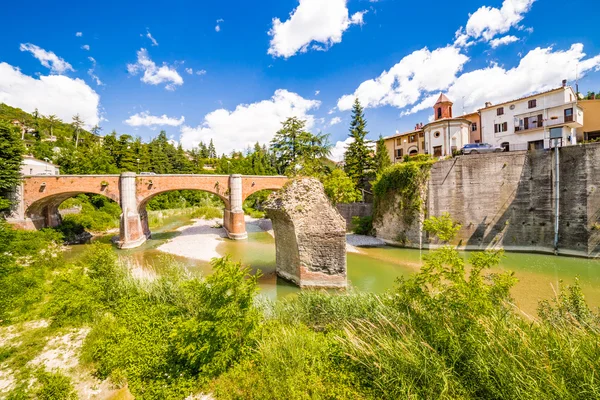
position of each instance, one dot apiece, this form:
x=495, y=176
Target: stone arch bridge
x=40, y=196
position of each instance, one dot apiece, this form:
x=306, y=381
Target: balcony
x=568, y=120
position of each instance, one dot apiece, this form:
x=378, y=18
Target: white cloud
x=335, y=121
x=487, y=22
x=149, y=36
x=91, y=72
x=312, y=21
x=337, y=152
x=145, y=119
x=153, y=74
x=218, y=26
x=201, y=72
x=86, y=47
x=79, y=34
x=503, y=40
x=48, y=59
x=539, y=70
x=53, y=94
x=317, y=92
x=189, y=71
x=420, y=71
x=249, y=123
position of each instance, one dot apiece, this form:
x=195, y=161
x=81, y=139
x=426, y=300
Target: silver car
x=477, y=148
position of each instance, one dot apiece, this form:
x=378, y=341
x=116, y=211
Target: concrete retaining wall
x=350, y=210
x=507, y=200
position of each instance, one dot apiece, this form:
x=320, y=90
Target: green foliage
x=358, y=160
x=294, y=147
x=11, y=156
x=208, y=212
x=340, y=188
x=54, y=386
x=443, y=227
x=382, y=157
x=404, y=181
x=362, y=225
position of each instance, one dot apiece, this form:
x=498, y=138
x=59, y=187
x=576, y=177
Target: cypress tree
x=358, y=160
x=212, y=152
x=382, y=158
x=11, y=156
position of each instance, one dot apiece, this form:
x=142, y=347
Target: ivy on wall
x=405, y=182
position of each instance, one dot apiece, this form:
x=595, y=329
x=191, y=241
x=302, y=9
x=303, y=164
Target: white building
x=447, y=134
x=33, y=166
x=525, y=124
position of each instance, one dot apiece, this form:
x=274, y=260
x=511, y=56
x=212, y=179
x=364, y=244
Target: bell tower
x=442, y=108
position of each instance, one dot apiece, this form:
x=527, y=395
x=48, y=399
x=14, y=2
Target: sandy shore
x=200, y=240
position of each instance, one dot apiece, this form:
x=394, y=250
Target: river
x=375, y=269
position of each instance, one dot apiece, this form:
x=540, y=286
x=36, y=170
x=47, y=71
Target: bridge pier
x=131, y=231
x=233, y=217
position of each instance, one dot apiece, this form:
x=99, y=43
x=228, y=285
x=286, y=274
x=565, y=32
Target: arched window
x=439, y=112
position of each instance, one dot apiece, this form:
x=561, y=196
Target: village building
x=33, y=166
x=591, y=124
x=447, y=134
x=405, y=144
x=526, y=123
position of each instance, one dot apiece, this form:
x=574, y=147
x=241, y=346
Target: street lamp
x=138, y=165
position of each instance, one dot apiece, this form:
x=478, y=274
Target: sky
x=232, y=71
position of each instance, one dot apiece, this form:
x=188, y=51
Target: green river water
x=375, y=269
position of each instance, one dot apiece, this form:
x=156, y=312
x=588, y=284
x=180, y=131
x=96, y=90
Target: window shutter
x=540, y=121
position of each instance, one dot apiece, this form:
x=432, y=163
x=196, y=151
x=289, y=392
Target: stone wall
x=507, y=200
x=350, y=210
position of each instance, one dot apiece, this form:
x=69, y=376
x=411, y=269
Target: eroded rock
x=310, y=235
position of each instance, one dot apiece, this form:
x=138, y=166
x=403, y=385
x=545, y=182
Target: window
x=500, y=111
x=412, y=138
x=439, y=112
x=398, y=142
x=536, y=145
x=569, y=115
x=505, y=146
x=421, y=135
x=503, y=127
x=437, y=135
x=532, y=103
x=399, y=153
x=474, y=126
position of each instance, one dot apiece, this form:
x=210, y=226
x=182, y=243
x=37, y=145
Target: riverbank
x=201, y=240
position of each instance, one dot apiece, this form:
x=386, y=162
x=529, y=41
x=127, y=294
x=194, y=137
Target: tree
x=340, y=188
x=382, y=158
x=96, y=130
x=53, y=120
x=11, y=156
x=212, y=152
x=358, y=160
x=77, y=125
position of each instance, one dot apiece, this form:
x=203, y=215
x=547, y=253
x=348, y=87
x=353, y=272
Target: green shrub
x=362, y=225
x=54, y=386
x=207, y=212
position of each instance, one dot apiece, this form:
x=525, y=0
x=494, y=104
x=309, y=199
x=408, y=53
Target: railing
x=560, y=120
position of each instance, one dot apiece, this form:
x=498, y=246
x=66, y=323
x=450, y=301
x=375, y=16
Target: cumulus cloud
x=249, y=123
x=152, y=74
x=91, y=72
x=218, y=26
x=488, y=22
x=335, y=121
x=53, y=94
x=313, y=21
x=86, y=47
x=48, y=59
x=403, y=84
x=337, y=152
x=79, y=34
x=503, y=40
x=145, y=119
x=189, y=71
x=539, y=70
x=201, y=72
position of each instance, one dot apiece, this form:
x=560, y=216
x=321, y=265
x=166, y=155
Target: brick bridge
x=40, y=196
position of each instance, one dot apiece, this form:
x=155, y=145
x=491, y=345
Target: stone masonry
x=310, y=235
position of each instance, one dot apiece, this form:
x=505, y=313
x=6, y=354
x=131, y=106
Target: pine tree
x=382, y=158
x=212, y=152
x=77, y=125
x=11, y=156
x=358, y=160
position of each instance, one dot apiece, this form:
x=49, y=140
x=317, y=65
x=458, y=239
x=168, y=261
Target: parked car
x=476, y=148
x=147, y=173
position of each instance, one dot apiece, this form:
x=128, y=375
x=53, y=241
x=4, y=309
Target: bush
x=362, y=225
x=207, y=212
x=54, y=386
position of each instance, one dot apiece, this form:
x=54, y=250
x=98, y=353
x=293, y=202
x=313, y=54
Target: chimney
x=488, y=104
x=564, y=83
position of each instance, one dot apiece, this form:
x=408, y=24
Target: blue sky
x=231, y=71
